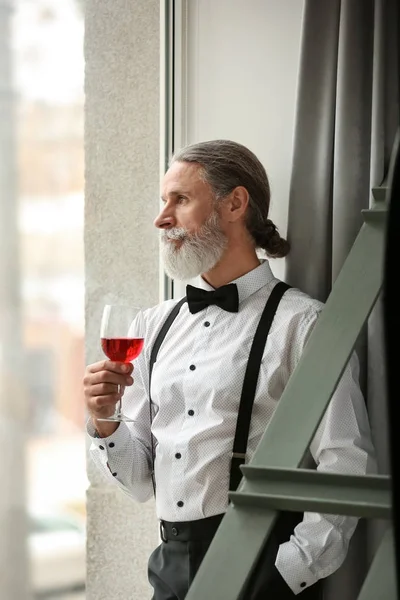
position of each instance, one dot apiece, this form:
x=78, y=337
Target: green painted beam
x=225, y=571
x=377, y=213
x=310, y=490
x=379, y=192
x=380, y=583
x=286, y=440
x=242, y=533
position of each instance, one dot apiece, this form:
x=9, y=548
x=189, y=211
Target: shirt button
x=174, y=531
x=190, y=413
x=207, y=324
x=192, y=367
x=303, y=584
x=115, y=474
x=111, y=445
x=101, y=447
x=180, y=503
x=178, y=455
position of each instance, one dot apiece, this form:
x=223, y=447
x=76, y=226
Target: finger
x=102, y=401
x=102, y=389
x=108, y=365
x=109, y=377
x=98, y=412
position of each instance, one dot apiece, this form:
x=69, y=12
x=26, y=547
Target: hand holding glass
x=122, y=340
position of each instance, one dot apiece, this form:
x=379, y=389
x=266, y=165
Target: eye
x=181, y=199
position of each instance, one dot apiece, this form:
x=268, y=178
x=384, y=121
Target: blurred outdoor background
x=42, y=281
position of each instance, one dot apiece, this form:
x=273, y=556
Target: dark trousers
x=173, y=564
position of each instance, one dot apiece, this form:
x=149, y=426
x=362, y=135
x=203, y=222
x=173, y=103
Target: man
x=192, y=382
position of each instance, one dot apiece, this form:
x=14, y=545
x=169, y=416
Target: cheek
x=189, y=222
x=193, y=219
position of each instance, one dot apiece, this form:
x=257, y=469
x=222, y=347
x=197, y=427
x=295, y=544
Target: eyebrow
x=177, y=193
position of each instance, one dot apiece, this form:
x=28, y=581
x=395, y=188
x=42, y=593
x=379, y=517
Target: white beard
x=197, y=254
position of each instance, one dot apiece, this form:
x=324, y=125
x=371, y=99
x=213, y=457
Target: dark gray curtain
x=347, y=117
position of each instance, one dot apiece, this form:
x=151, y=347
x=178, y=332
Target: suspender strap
x=163, y=332
x=153, y=357
x=250, y=383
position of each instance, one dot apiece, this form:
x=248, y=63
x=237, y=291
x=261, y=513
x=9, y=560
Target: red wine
x=122, y=349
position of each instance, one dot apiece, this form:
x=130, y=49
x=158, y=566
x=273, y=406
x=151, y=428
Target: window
x=42, y=307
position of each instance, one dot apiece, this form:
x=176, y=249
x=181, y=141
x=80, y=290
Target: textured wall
x=121, y=249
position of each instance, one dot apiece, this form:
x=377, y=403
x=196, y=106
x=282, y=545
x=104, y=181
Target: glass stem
x=119, y=409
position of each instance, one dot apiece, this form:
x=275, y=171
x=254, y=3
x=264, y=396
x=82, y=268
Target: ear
x=236, y=204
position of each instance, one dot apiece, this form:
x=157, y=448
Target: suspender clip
x=241, y=455
x=162, y=532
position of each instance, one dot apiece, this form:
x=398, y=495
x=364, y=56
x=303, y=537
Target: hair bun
x=269, y=240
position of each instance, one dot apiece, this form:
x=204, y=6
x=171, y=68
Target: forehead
x=183, y=177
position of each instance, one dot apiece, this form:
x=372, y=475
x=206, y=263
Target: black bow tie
x=225, y=297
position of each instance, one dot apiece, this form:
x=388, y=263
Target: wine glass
x=122, y=340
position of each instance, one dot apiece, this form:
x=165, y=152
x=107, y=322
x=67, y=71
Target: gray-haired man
x=213, y=370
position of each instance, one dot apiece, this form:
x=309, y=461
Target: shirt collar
x=249, y=283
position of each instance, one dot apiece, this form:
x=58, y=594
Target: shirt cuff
x=115, y=441
x=292, y=568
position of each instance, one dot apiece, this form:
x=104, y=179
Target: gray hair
x=227, y=165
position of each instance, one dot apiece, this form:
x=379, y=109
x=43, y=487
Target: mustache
x=203, y=235
x=176, y=233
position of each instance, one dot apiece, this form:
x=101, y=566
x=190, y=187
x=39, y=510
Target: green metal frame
x=328, y=350
x=305, y=489
x=273, y=480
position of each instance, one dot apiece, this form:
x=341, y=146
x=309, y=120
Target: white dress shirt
x=196, y=386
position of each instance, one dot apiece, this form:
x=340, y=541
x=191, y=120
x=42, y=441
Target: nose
x=165, y=219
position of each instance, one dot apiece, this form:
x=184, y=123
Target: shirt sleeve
x=342, y=444
x=124, y=458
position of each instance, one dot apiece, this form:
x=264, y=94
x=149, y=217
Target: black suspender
x=249, y=383
x=153, y=357
x=163, y=332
